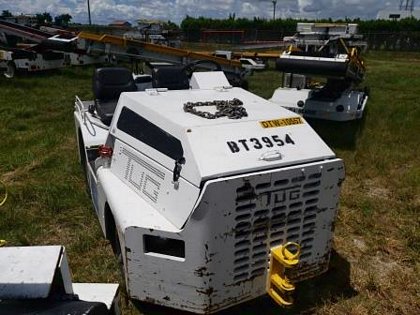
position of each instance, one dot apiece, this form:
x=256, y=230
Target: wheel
x=11, y=70
x=114, y=239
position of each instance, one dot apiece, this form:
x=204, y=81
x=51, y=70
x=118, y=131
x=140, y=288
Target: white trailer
x=30, y=61
x=198, y=186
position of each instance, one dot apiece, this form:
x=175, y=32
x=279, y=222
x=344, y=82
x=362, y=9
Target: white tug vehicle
x=328, y=51
x=210, y=195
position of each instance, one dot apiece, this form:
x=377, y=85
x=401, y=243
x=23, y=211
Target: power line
x=407, y=5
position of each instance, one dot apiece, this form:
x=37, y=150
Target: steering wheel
x=203, y=64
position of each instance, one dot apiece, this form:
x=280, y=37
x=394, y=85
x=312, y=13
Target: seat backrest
x=108, y=83
x=170, y=77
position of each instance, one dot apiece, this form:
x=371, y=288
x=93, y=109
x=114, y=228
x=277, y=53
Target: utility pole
x=274, y=2
x=90, y=21
x=274, y=9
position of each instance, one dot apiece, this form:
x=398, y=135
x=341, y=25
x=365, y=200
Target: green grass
x=375, y=266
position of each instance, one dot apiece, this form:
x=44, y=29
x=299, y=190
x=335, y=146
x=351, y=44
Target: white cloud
x=104, y=11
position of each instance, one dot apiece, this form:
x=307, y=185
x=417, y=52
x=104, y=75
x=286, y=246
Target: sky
x=105, y=11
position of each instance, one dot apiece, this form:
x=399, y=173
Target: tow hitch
x=279, y=287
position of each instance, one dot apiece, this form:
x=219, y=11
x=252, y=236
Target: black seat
x=108, y=84
x=170, y=77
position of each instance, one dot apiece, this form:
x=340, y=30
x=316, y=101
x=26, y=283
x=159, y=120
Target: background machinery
x=330, y=52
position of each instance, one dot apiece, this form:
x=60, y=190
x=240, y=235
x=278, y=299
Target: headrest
x=108, y=83
x=170, y=77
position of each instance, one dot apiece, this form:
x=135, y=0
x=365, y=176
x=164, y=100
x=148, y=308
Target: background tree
x=43, y=18
x=6, y=13
x=63, y=20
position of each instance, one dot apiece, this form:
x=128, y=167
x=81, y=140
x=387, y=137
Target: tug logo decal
x=282, y=196
x=281, y=122
x=259, y=143
x=143, y=176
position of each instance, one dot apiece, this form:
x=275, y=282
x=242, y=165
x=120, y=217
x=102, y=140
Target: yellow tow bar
x=279, y=286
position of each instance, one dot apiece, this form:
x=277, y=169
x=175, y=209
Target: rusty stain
x=200, y=271
x=203, y=272
x=207, y=256
x=209, y=291
x=167, y=298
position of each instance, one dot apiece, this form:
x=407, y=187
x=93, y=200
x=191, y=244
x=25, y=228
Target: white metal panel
x=39, y=63
x=341, y=58
x=28, y=272
x=204, y=141
x=208, y=80
x=353, y=102
x=248, y=147
x=97, y=292
x=229, y=235
x=289, y=97
x=165, y=108
x=64, y=269
x=153, y=182
x=129, y=209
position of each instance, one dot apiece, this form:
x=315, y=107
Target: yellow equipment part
x=170, y=51
x=278, y=285
x=3, y=193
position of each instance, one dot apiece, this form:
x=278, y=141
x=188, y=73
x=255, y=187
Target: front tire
x=114, y=239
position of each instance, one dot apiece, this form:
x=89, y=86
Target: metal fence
x=396, y=41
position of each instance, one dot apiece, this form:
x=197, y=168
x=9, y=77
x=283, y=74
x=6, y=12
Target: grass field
x=375, y=267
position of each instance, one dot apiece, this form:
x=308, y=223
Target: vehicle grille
x=272, y=213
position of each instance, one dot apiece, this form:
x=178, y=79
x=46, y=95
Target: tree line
x=289, y=25
x=380, y=34
x=44, y=18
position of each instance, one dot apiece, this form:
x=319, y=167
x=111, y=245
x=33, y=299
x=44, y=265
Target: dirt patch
x=376, y=190
x=383, y=268
x=360, y=244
